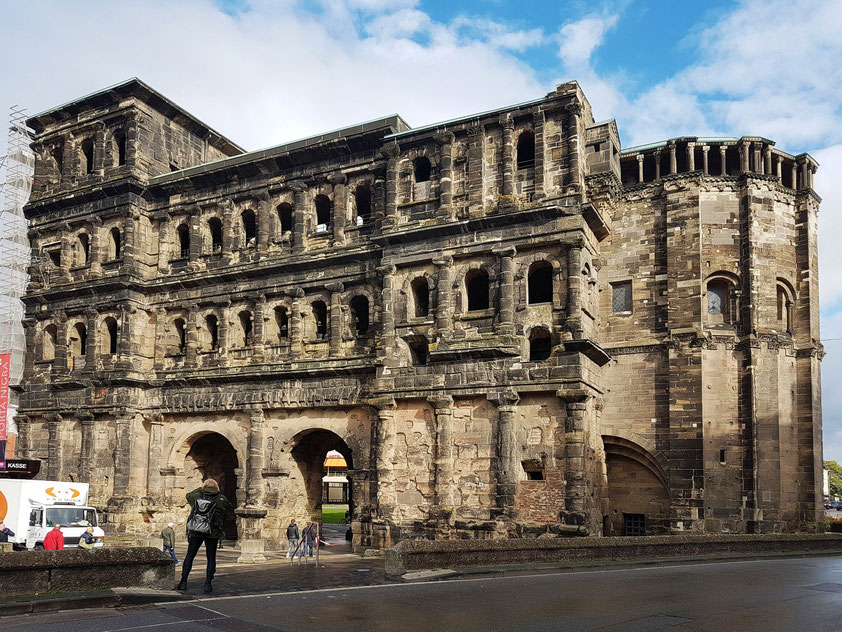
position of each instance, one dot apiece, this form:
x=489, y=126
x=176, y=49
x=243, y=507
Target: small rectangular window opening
x=722, y=456
x=634, y=524
x=621, y=297
x=534, y=475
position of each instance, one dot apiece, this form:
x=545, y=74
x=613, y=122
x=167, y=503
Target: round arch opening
x=310, y=452
x=210, y=455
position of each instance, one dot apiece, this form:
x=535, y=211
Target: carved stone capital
x=338, y=178
x=387, y=269
x=392, y=150
x=335, y=287
x=440, y=401
x=509, y=251
x=444, y=137
x=503, y=398
x=445, y=261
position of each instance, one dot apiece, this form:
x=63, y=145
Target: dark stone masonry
x=506, y=324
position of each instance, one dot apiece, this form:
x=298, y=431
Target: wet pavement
x=789, y=595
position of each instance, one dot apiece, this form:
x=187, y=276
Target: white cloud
x=579, y=39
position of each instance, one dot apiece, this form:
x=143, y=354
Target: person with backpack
x=293, y=535
x=207, y=509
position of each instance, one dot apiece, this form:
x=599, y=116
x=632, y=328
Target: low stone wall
x=413, y=555
x=30, y=572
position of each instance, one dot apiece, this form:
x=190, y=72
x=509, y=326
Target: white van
x=31, y=509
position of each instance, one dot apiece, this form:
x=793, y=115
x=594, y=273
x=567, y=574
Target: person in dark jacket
x=293, y=535
x=308, y=538
x=168, y=537
x=209, y=491
x=5, y=532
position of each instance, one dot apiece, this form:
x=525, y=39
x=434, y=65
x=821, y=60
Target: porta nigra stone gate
x=506, y=324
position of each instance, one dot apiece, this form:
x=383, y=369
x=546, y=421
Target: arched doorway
x=638, y=493
x=211, y=455
x=311, y=448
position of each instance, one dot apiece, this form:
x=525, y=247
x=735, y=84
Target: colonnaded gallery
x=508, y=325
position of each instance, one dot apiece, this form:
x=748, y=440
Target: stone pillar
x=445, y=141
x=388, y=312
x=154, y=485
x=574, y=290
x=54, y=447
x=475, y=155
x=744, y=156
x=805, y=175
x=124, y=345
x=29, y=331
x=22, y=447
x=812, y=171
x=767, y=150
x=222, y=332
x=385, y=446
x=335, y=332
x=794, y=177
x=296, y=333
x=299, y=217
x=508, y=157
x=506, y=316
x=127, y=250
x=258, y=334
x=123, y=455
x=251, y=515
x=640, y=167
x=657, y=154
x=574, y=111
x=195, y=251
x=538, y=130
x=192, y=337
x=86, y=453
x=95, y=252
x=673, y=161
x=443, y=300
x=443, y=407
x=575, y=492
x=69, y=162
x=60, y=361
x=66, y=254
x=758, y=163
x=691, y=156
x=340, y=203
x=724, y=167
x=391, y=153
x=163, y=242
x=99, y=151
x=507, y=465
x=92, y=340
x=227, y=231
x=264, y=222
x=779, y=167
x=705, y=150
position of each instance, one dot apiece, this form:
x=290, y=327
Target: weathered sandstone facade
x=505, y=323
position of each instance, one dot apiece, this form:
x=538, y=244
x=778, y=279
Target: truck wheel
x=39, y=546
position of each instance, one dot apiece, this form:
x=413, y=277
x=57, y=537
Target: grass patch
x=333, y=516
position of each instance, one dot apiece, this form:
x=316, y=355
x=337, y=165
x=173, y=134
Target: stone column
x=538, y=130
x=60, y=361
x=125, y=343
x=640, y=167
x=340, y=203
x=154, y=483
x=54, y=447
x=335, y=342
x=443, y=300
x=385, y=446
x=299, y=217
x=195, y=251
x=705, y=150
x=69, y=162
x=443, y=407
x=657, y=154
x=86, y=453
x=508, y=155
x=574, y=290
x=264, y=222
x=506, y=316
x=805, y=175
x=192, y=337
x=391, y=153
x=575, y=460
x=768, y=159
x=163, y=242
x=691, y=156
x=758, y=163
x=744, y=156
x=252, y=514
x=22, y=447
x=445, y=141
x=222, y=333
x=92, y=340
x=794, y=177
x=258, y=334
x=123, y=455
x=724, y=166
x=475, y=154
x=29, y=331
x=387, y=298
x=812, y=171
x=99, y=151
x=296, y=333
x=128, y=248
x=779, y=167
x=95, y=252
x=507, y=465
x=574, y=111
x=673, y=161
x=66, y=254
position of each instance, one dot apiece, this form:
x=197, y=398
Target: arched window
x=180, y=335
x=87, y=156
x=215, y=229
x=784, y=308
x=184, y=240
x=58, y=158
x=421, y=297
x=246, y=328
x=362, y=202
x=320, y=318
x=48, y=343
x=285, y=215
x=526, y=150
x=322, y=213
x=359, y=315
x=109, y=338
x=249, y=227
x=120, y=147
x=421, y=169
x=83, y=245
x=540, y=344
x=719, y=301
x=115, y=244
x=212, y=325
x=78, y=340
x=476, y=285
x=282, y=323
x=540, y=283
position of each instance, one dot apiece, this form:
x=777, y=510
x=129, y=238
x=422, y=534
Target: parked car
x=827, y=504
x=836, y=504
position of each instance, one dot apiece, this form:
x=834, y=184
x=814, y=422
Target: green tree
x=834, y=474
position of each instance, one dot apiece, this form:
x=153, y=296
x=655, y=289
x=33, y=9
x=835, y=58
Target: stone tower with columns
x=506, y=324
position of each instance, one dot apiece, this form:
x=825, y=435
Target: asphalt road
x=787, y=595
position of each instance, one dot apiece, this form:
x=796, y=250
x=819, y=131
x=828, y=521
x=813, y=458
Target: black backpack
x=201, y=519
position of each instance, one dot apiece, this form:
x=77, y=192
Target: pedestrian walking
x=168, y=538
x=54, y=540
x=207, y=508
x=293, y=535
x=5, y=532
x=87, y=540
x=309, y=538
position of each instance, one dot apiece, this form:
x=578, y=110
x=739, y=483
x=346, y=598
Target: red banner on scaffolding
x=5, y=374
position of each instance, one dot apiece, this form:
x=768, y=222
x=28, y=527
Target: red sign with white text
x=5, y=373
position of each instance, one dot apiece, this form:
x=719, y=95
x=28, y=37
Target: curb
x=54, y=602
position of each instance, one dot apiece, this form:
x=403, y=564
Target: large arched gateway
x=210, y=455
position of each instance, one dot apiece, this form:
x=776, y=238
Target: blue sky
x=269, y=71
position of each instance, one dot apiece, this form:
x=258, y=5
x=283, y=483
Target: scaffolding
x=15, y=187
